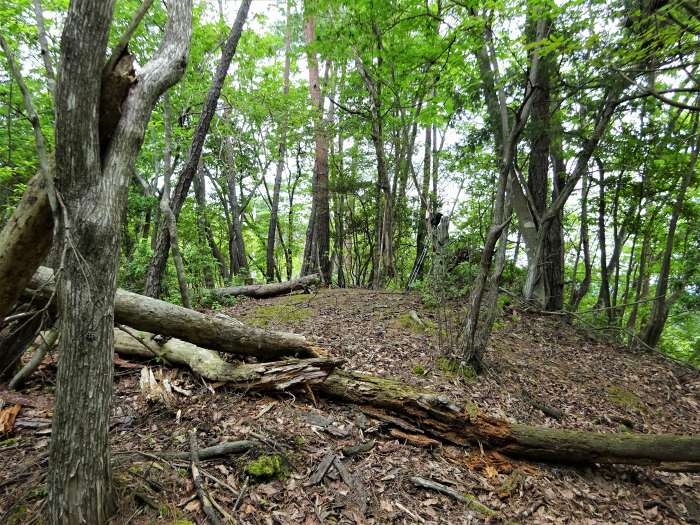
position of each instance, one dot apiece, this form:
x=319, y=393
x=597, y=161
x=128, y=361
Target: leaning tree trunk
x=156, y=267
x=25, y=242
x=651, y=334
x=218, y=332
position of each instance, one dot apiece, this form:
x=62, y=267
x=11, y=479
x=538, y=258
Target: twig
x=240, y=495
x=140, y=339
x=197, y=480
x=471, y=502
x=47, y=343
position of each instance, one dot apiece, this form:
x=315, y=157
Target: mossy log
x=423, y=412
x=216, y=332
x=260, y=291
x=275, y=375
x=437, y=416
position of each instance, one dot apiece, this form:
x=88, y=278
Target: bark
x=434, y=415
x=604, y=293
x=92, y=175
x=236, y=243
x=168, y=216
x=259, y=291
x=282, y=152
x=79, y=480
x=25, y=242
x=221, y=333
x=158, y=262
x=321, y=215
x=274, y=375
x=383, y=257
x=15, y=338
x=48, y=340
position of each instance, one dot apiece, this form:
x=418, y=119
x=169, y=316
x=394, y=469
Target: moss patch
x=455, y=369
x=625, y=398
x=267, y=467
x=407, y=322
x=420, y=370
x=278, y=313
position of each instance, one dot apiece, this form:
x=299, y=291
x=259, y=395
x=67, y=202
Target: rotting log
x=216, y=332
x=437, y=416
x=260, y=291
x=424, y=412
x=276, y=375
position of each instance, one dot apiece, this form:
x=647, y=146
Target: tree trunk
x=422, y=226
x=92, y=175
x=282, y=152
x=651, y=333
x=156, y=266
x=218, y=332
x=79, y=480
x=321, y=215
x=25, y=242
x=259, y=291
x=604, y=293
x=578, y=292
x=205, y=225
x=275, y=375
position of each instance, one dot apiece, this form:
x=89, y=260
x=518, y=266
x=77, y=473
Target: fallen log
x=216, y=332
x=423, y=412
x=274, y=375
x=260, y=291
x=437, y=416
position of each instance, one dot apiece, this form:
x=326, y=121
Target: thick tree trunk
x=158, y=262
x=259, y=291
x=79, y=480
x=275, y=375
x=436, y=416
x=221, y=333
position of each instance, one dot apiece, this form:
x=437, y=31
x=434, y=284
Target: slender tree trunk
x=604, y=293
x=205, y=225
x=578, y=292
x=282, y=152
x=168, y=215
x=651, y=333
x=158, y=262
x=423, y=221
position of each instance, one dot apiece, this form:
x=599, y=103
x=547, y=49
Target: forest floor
x=533, y=360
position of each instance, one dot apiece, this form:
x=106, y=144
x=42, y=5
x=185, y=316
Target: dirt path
x=593, y=386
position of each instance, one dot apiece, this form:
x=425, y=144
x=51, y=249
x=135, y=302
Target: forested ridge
x=379, y=261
